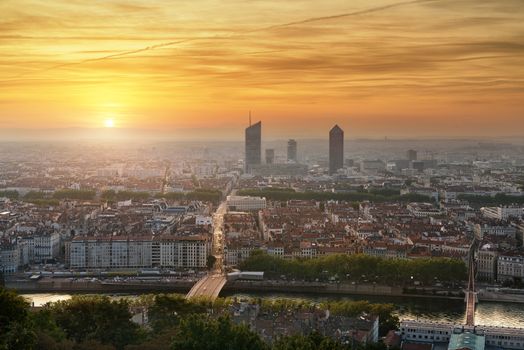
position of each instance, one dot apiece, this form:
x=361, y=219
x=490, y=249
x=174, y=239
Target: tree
x=211, y=260
x=204, y=333
x=313, y=341
x=16, y=330
x=167, y=311
x=96, y=318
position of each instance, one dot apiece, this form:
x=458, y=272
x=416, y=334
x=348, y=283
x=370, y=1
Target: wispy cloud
x=70, y=58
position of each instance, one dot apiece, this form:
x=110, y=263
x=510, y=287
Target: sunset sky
x=194, y=68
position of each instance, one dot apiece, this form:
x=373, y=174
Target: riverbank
x=92, y=286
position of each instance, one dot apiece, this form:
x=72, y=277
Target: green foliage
x=96, y=318
x=313, y=341
x=95, y=322
x=9, y=194
x=34, y=195
x=108, y=195
x=386, y=271
x=74, y=194
x=498, y=199
x=112, y=196
x=46, y=324
x=387, y=192
x=133, y=195
x=13, y=308
x=168, y=309
x=205, y=195
x=16, y=330
x=210, y=262
x=285, y=195
x=44, y=202
x=200, y=194
x=204, y=333
x=386, y=312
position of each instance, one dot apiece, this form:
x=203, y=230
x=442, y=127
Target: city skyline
x=262, y=175
x=407, y=69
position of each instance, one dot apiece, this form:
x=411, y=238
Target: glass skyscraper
x=336, y=149
x=253, y=146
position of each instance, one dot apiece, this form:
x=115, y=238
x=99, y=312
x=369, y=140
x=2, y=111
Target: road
x=211, y=285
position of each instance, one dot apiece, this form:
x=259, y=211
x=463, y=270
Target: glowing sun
x=109, y=123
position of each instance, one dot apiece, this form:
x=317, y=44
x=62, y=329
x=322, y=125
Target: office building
x=411, y=154
x=253, y=146
x=292, y=151
x=270, y=156
x=245, y=203
x=336, y=149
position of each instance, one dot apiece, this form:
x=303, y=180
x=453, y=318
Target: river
x=440, y=310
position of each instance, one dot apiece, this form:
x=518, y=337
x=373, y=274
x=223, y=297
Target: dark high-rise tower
x=253, y=146
x=292, y=151
x=336, y=149
x=411, y=154
x=270, y=156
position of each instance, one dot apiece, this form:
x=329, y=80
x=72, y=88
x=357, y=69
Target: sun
x=109, y=123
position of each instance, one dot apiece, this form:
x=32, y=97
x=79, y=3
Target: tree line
x=98, y=322
x=498, y=199
x=285, y=194
x=199, y=194
x=359, y=267
x=53, y=198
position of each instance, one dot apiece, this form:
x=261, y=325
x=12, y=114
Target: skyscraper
x=411, y=154
x=292, y=151
x=253, y=146
x=270, y=156
x=336, y=149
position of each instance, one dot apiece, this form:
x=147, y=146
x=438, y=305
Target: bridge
x=471, y=295
x=208, y=287
x=211, y=284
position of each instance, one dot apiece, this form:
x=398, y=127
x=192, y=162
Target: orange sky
x=423, y=68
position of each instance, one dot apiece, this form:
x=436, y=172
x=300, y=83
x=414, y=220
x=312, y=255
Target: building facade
x=253, y=139
x=245, y=203
x=292, y=151
x=270, y=156
x=139, y=252
x=336, y=149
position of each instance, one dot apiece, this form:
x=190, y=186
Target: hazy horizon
x=235, y=135
x=417, y=69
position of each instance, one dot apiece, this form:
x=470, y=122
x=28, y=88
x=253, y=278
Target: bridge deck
x=208, y=287
x=471, y=298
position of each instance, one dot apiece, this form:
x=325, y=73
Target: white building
x=428, y=332
x=202, y=220
x=441, y=333
x=245, y=203
x=502, y=213
x=495, y=230
x=487, y=263
x=237, y=253
x=421, y=210
x=510, y=267
x=9, y=259
x=139, y=252
x=183, y=251
x=46, y=246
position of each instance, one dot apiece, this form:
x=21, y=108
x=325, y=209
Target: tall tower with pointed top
x=336, y=149
x=253, y=146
